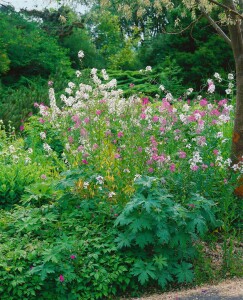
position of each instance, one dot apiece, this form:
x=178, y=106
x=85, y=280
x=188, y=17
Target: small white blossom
x=162, y=88
x=42, y=135
x=85, y=185
x=148, y=69
x=11, y=149
x=30, y=150
x=189, y=91
x=78, y=73
x=68, y=91
x=137, y=176
x=47, y=148
x=111, y=194
x=219, y=134
x=230, y=76
x=100, y=179
x=211, y=86
x=217, y=76
x=80, y=54
x=228, y=91
x=27, y=160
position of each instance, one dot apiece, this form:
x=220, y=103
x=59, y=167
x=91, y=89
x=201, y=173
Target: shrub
x=160, y=232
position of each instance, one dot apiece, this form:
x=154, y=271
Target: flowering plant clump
x=159, y=169
x=121, y=137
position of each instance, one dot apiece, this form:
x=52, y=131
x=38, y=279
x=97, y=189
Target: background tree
x=229, y=12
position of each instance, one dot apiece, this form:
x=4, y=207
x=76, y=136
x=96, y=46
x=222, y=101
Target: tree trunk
x=237, y=141
x=236, y=31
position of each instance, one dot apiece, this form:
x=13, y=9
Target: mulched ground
x=226, y=290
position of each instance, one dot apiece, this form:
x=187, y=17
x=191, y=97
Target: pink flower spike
x=98, y=112
x=120, y=134
x=194, y=168
x=42, y=121
x=145, y=101
x=73, y=256
x=155, y=119
x=172, y=167
x=84, y=161
x=182, y=154
x=142, y=116
x=21, y=128
x=150, y=170
x=70, y=139
x=203, y=102
x=215, y=152
x=61, y=278
x=222, y=102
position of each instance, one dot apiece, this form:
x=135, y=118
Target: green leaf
x=163, y=235
x=164, y=278
x=144, y=238
x=160, y=261
x=183, y=272
x=124, y=240
x=144, y=271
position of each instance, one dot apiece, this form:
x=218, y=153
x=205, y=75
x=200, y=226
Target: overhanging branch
x=216, y=27
x=184, y=29
x=229, y=9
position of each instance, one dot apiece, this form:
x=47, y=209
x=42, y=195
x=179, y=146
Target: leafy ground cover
x=104, y=195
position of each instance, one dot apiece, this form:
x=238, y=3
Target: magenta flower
x=145, y=101
x=117, y=155
x=70, y=139
x=84, y=161
x=120, y=134
x=73, y=256
x=42, y=121
x=95, y=146
x=86, y=120
x=98, y=112
x=61, y=278
x=204, y=167
x=222, y=102
x=150, y=170
x=172, y=167
x=155, y=118
x=182, y=154
x=80, y=148
x=215, y=112
x=203, y=102
x=194, y=168
x=215, y=152
x=142, y=116
x=21, y=128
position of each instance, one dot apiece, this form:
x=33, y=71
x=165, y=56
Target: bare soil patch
x=226, y=290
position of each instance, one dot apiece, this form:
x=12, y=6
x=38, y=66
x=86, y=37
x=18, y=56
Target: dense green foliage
x=111, y=185
x=105, y=196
